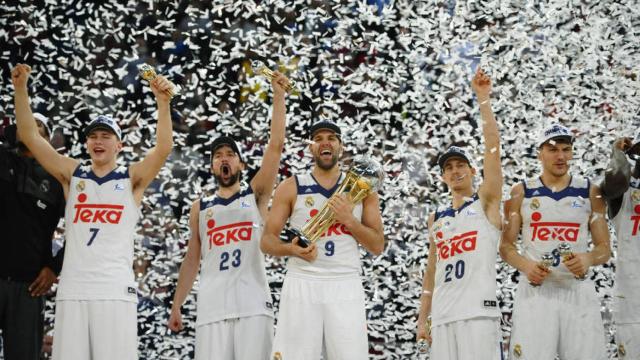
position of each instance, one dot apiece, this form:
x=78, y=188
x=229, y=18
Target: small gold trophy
x=423, y=344
x=148, y=73
x=565, y=252
x=546, y=260
x=260, y=68
x=363, y=178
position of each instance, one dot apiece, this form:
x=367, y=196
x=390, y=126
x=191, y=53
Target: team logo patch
x=41, y=205
x=277, y=355
x=118, y=187
x=635, y=196
x=131, y=290
x=535, y=204
x=45, y=186
x=576, y=204
x=244, y=205
x=269, y=305
x=80, y=186
x=621, y=350
x=471, y=212
x=209, y=214
x=308, y=201
x=490, y=303
x=517, y=350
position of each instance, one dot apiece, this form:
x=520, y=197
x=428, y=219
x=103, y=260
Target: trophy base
x=303, y=242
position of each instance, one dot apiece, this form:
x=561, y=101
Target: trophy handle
x=303, y=242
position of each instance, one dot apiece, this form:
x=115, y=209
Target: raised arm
x=490, y=191
x=283, y=201
x=510, y=231
x=617, y=176
x=60, y=167
x=428, y=284
x=264, y=180
x=144, y=171
x=188, y=269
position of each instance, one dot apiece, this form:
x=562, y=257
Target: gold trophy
x=363, y=178
x=148, y=73
x=546, y=261
x=567, y=254
x=423, y=344
x=260, y=68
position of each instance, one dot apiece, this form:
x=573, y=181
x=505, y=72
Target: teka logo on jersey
x=551, y=230
x=333, y=230
x=456, y=245
x=636, y=220
x=225, y=234
x=96, y=213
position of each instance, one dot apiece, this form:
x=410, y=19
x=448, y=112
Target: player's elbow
x=377, y=248
x=505, y=250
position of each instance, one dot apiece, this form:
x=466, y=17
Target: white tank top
x=466, y=249
x=100, y=220
x=551, y=218
x=233, y=281
x=627, y=283
x=338, y=252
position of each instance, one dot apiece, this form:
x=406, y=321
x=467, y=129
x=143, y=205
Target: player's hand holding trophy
x=363, y=178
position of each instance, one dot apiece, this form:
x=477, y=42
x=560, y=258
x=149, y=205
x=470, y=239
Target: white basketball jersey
x=100, y=220
x=627, y=284
x=550, y=218
x=338, y=252
x=467, y=249
x=233, y=281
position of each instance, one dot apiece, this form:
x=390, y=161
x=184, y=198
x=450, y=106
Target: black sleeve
x=616, y=181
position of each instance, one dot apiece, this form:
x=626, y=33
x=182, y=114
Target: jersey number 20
x=458, y=273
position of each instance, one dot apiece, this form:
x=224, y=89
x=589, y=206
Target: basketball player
x=556, y=312
x=235, y=319
x=621, y=189
x=459, y=286
x=322, y=295
x=96, y=299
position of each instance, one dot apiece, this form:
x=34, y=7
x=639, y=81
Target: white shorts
x=95, y=330
x=246, y=338
x=549, y=320
x=628, y=339
x=313, y=309
x=472, y=339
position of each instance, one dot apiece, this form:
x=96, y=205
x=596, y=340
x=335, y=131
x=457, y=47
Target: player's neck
x=326, y=178
x=226, y=192
x=555, y=183
x=103, y=169
x=460, y=197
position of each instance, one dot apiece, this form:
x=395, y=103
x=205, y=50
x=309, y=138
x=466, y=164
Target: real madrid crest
x=535, y=204
x=80, y=185
x=308, y=201
x=517, y=350
x=209, y=214
x=635, y=196
x=621, y=351
x=45, y=186
x=277, y=355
